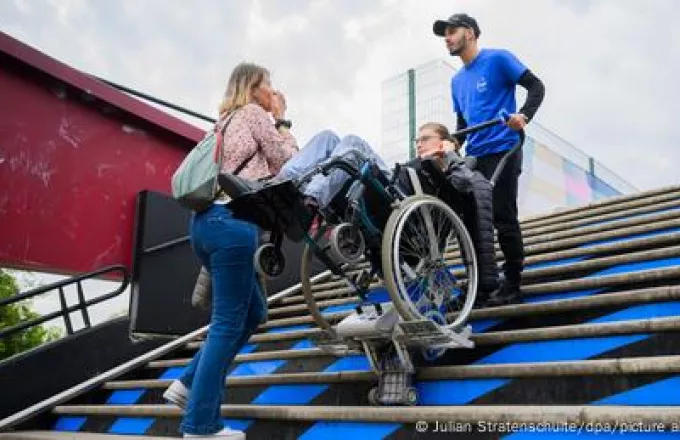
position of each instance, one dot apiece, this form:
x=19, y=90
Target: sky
x=610, y=67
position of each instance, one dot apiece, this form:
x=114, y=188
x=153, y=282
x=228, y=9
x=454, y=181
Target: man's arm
x=535, y=93
x=461, y=123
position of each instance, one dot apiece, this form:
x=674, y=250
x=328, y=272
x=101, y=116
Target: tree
x=16, y=313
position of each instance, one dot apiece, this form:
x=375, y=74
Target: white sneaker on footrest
x=226, y=433
x=177, y=394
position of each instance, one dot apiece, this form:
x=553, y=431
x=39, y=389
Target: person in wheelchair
x=467, y=192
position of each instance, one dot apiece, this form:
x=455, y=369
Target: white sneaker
x=177, y=393
x=226, y=433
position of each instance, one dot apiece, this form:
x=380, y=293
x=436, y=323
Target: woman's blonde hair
x=243, y=79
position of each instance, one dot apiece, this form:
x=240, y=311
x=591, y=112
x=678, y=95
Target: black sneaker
x=507, y=294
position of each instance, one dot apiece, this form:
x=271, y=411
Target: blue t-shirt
x=480, y=91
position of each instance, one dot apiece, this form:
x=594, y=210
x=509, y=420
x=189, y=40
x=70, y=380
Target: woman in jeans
x=226, y=246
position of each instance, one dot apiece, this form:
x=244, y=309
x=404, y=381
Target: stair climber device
x=388, y=342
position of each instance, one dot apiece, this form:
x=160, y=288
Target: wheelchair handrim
x=391, y=256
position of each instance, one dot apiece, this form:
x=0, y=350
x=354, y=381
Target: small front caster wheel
x=411, y=396
x=269, y=261
x=373, y=397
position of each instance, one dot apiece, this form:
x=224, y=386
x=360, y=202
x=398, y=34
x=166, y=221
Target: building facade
x=555, y=173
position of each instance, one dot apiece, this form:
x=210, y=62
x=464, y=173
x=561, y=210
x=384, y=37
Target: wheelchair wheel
x=268, y=261
x=347, y=243
x=417, y=275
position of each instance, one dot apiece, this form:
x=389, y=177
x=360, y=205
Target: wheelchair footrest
x=369, y=324
x=331, y=344
x=427, y=334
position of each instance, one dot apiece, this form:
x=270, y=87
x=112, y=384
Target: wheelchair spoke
x=432, y=240
x=411, y=274
x=414, y=288
x=424, y=286
x=415, y=238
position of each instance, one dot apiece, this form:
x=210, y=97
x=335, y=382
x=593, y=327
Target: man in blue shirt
x=480, y=90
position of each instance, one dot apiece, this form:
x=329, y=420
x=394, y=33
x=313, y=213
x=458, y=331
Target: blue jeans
x=226, y=247
x=322, y=146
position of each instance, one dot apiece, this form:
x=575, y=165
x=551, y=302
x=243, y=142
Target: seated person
x=472, y=200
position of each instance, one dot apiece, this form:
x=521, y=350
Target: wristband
x=283, y=123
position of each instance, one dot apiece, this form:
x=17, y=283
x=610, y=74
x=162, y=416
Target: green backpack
x=194, y=184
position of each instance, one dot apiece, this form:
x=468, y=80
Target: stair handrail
x=65, y=309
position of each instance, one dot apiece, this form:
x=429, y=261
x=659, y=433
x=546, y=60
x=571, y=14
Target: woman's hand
x=279, y=105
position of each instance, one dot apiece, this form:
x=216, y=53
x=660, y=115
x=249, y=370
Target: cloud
x=609, y=66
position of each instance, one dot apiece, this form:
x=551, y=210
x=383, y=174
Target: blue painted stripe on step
x=558, y=350
x=662, y=392
x=248, y=348
x=482, y=325
x=291, y=328
x=638, y=266
x=238, y=424
x=257, y=368
x=289, y=394
x=340, y=308
x=456, y=392
x=69, y=424
x=631, y=237
x=172, y=373
x=304, y=345
x=353, y=430
x=125, y=397
x=131, y=425
x=585, y=435
x=349, y=363
x=642, y=311
x=555, y=263
x=628, y=217
x=379, y=294
x=559, y=295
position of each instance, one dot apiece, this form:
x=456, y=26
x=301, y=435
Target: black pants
x=505, y=216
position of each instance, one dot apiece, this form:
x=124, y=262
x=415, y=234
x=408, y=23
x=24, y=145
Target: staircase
x=593, y=348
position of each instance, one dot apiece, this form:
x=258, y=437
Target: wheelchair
x=413, y=241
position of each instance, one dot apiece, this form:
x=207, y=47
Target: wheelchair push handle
x=503, y=117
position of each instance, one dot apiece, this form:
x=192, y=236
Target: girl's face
x=429, y=143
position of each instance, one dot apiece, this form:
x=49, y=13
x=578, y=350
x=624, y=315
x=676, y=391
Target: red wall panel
x=70, y=168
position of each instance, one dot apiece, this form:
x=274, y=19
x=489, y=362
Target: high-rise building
x=555, y=173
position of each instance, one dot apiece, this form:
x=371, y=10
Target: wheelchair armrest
x=235, y=186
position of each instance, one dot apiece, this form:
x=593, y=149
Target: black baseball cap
x=456, y=20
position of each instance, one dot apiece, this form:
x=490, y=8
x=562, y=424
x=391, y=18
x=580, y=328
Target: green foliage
x=17, y=313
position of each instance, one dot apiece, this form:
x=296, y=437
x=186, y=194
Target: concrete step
x=503, y=337
x=609, y=205
x=577, y=414
x=620, y=366
x=55, y=435
x=653, y=276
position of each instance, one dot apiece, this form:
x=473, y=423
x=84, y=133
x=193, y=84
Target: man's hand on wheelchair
x=517, y=121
